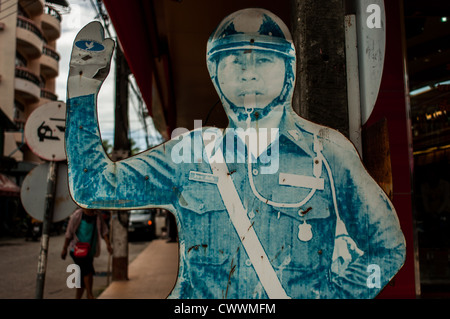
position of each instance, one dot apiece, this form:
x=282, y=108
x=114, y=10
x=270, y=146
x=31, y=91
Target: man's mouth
x=249, y=92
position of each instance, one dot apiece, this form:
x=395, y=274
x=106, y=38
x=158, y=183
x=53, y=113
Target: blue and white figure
x=291, y=213
x=89, y=45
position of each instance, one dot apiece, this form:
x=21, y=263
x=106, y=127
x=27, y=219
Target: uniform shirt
x=213, y=262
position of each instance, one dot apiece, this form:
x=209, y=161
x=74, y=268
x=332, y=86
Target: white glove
x=90, y=60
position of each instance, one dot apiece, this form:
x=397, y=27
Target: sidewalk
x=152, y=274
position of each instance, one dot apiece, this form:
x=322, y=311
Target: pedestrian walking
x=83, y=237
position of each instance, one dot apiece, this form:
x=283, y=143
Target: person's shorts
x=86, y=265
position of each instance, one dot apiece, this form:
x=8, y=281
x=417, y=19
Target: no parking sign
x=44, y=131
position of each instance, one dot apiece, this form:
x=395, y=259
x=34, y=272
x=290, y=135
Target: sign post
x=44, y=134
x=48, y=215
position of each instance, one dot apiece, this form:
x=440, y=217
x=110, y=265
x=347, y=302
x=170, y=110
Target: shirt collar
x=293, y=131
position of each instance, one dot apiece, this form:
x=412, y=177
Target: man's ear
x=212, y=68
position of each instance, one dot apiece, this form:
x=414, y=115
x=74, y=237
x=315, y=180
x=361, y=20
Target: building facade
x=29, y=65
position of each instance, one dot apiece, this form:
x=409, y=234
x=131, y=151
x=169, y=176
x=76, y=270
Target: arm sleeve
x=371, y=222
x=144, y=180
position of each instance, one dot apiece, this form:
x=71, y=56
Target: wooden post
x=318, y=31
x=119, y=228
x=121, y=150
x=122, y=145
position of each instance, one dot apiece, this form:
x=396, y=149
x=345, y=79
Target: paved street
x=18, y=267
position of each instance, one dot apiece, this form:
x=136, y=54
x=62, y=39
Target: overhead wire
x=139, y=110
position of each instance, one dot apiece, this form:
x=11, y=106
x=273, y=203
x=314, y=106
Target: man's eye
x=237, y=61
x=263, y=60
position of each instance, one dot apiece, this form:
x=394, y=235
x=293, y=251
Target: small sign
x=33, y=193
x=88, y=45
x=371, y=24
x=44, y=131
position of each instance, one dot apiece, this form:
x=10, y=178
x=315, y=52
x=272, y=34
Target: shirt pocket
x=306, y=256
x=201, y=198
x=208, y=232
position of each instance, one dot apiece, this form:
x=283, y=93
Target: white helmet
x=253, y=29
x=247, y=29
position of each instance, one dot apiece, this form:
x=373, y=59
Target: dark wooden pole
x=319, y=35
x=121, y=150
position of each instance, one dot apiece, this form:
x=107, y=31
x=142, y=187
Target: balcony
x=27, y=85
x=29, y=38
x=49, y=62
x=48, y=95
x=51, y=23
x=32, y=7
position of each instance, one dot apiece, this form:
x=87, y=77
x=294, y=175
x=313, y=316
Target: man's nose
x=249, y=72
x=249, y=69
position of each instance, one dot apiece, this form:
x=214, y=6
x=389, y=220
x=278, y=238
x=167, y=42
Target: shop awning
x=164, y=42
x=135, y=26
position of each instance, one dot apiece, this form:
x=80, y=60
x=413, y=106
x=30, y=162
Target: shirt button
x=201, y=206
x=251, y=214
x=255, y=171
x=248, y=262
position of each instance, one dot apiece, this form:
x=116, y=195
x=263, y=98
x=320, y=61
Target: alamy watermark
x=374, y=19
x=74, y=279
x=374, y=279
x=194, y=147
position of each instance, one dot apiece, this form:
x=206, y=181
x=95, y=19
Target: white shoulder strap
x=243, y=226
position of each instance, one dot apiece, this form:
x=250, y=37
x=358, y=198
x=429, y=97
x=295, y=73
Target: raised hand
x=90, y=60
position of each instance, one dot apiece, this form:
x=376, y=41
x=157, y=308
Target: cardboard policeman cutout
x=274, y=206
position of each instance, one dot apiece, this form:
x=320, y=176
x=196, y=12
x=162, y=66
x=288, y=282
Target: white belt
x=243, y=226
x=238, y=216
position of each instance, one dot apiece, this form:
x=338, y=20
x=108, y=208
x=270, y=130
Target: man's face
x=256, y=74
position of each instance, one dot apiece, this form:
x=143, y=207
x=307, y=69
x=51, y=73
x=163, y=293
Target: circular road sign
x=34, y=189
x=44, y=131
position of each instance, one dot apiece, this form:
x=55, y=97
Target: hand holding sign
x=90, y=60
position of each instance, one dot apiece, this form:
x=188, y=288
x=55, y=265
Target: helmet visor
x=251, y=42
